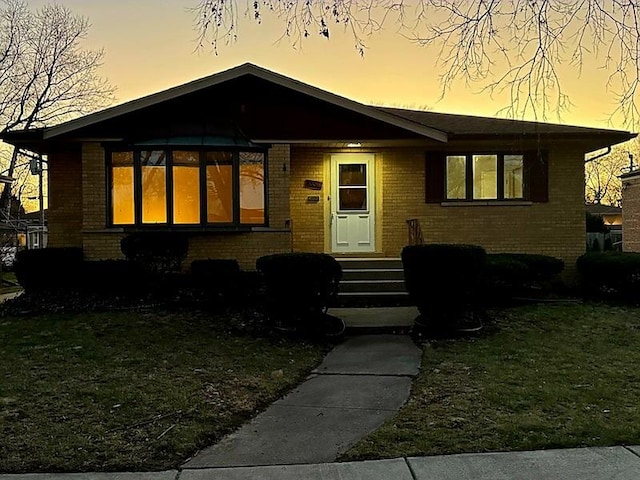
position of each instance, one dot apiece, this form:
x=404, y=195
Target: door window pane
x=186, y=187
x=353, y=199
x=513, y=183
x=219, y=187
x=154, y=186
x=456, y=177
x=122, y=201
x=354, y=174
x=485, y=177
x=251, y=187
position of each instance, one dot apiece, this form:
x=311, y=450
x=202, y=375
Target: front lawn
x=549, y=377
x=132, y=391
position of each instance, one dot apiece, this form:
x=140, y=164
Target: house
x=249, y=162
x=612, y=218
x=631, y=211
x=35, y=229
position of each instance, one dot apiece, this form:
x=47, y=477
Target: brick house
x=249, y=162
x=631, y=211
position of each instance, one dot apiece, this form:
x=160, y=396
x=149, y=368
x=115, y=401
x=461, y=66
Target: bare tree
x=603, y=185
x=45, y=74
x=504, y=46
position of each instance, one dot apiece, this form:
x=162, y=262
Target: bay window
x=187, y=186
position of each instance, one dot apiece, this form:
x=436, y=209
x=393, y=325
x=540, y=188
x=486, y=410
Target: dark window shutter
x=434, y=178
x=537, y=175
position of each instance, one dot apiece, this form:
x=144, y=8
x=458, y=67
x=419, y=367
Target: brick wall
x=554, y=228
x=100, y=242
x=77, y=183
x=65, y=199
x=631, y=212
x=308, y=218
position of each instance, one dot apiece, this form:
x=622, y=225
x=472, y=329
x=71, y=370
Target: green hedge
x=298, y=286
x=49, y=269
x=612, y=275
x=445, y=281
x=520, y=274
x=160, y=252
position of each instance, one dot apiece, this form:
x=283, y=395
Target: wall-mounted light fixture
x=354, y=144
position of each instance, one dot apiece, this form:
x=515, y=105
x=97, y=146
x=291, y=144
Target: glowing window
x=513, y=178
x=186, y=187
x=485, y=177
x=456, y=177
x=122, y=201
x=219, y=187
x=154, y=186
x=251, y=187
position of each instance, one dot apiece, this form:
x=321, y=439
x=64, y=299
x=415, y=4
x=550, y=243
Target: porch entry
x=352, y=203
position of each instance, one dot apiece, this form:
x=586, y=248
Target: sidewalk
x=361, y=383
x=619, y=463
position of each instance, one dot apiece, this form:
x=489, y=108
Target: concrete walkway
x=359, y=385
x=619, y=463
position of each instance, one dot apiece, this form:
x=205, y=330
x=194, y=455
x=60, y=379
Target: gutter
x=600, y=155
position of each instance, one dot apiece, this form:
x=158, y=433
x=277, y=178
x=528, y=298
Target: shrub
x=48, y=269
x=298, y=286
x=445, y=283
x=595, y=223
x=614, y=275
x=512, y=274
x=216, y=278
x=159, y=252
x=114, y=278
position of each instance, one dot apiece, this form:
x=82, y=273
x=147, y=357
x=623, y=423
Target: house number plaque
x=313, y=184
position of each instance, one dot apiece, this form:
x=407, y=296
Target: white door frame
x=353, y=231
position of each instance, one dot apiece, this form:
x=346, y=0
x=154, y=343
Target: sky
x=150, y=45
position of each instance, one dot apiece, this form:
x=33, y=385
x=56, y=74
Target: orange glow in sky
x=150, y=45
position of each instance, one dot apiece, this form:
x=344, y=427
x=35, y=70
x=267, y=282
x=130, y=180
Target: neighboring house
x=249, y=162
x=612, y=218
x=631, y=211
x=36, y=232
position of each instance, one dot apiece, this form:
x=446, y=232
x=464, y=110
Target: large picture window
x=186, y=186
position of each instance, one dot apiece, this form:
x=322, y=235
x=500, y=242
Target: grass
x=548, y=377
x=9, y=283
x=132, y=391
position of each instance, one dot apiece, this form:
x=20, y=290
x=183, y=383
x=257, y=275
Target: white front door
x=352, y=202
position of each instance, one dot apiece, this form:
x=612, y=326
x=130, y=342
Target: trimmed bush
x=49, y=269
x=159, y=252
x=445, y=283
x=114, y=278
x=298, y=286
x=613, y=275
x=216, y=278
x=512, y=274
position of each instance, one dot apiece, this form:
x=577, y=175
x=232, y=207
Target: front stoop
x=372, y=282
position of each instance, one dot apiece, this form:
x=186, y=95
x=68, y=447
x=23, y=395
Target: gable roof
x=348, y=116
x=234, y=73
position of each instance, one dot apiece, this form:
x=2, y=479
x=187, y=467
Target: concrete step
x=372, y=274
x=370, y=263
x=372, y=286
x=372, y=282
x=372, y=299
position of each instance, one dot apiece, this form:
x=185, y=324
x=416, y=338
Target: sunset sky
x=150, y=45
